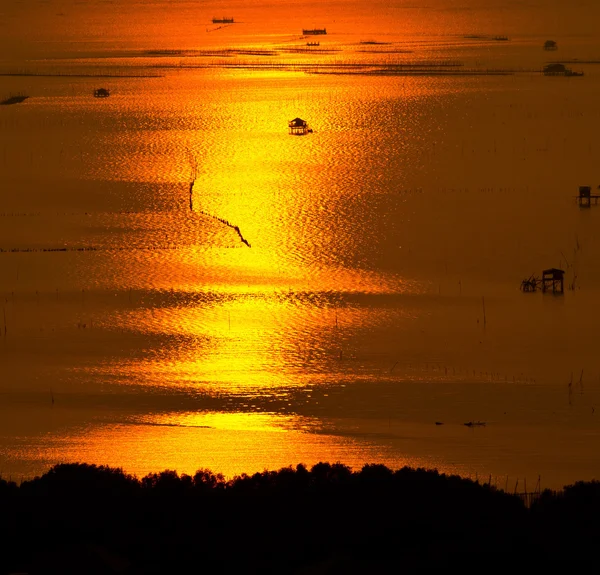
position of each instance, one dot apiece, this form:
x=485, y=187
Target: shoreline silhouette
x=98, y=519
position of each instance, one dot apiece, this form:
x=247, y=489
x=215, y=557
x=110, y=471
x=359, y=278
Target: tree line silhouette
x=80, y=518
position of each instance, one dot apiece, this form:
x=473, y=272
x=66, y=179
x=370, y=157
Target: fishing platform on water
x=552, y=279
x=585, y=197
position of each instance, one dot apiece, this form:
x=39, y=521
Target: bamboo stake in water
x=483, y=302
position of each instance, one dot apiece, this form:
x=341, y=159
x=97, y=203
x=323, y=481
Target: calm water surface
x=379, y=292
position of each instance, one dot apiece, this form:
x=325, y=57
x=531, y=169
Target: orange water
x=380, y=293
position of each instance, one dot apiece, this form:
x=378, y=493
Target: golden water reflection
x=227, y=443
x=256, y=342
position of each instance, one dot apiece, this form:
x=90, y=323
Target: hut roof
x=554, y=272
x=298, y=122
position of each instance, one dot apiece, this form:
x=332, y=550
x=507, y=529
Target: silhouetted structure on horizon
x=550, y=45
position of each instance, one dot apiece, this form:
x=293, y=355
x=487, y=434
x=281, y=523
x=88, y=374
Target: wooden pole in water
x=483, y=303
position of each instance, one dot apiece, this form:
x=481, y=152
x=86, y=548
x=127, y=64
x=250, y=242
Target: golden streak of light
x=233, y=444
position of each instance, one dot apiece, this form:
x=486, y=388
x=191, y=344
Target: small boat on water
x=223, y=20
x=314, y=31
x=475, y=423
x=313, y=43
x=558, y=69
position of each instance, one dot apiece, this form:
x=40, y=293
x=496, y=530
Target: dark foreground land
x=85, y=519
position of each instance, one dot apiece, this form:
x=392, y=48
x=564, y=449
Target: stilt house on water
x=550, y=45
x=553, y=278
x=585, y=197
x=299, y=127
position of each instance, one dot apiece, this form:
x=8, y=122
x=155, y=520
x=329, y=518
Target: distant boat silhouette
x=223, y=20
x=314, y=31
x=475, y=423
x=558, y=69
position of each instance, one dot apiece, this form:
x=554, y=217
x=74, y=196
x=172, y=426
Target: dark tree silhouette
x=80, y=518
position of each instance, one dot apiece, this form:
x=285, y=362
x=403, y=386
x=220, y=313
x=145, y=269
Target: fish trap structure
x=531, y=284
x=553, y=279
